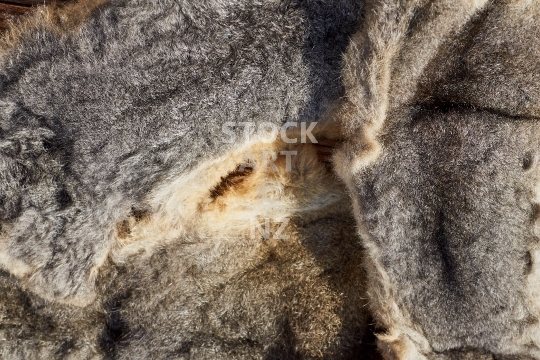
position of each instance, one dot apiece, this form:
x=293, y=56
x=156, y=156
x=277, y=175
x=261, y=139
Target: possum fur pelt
x=140, y=219
x=441, y=159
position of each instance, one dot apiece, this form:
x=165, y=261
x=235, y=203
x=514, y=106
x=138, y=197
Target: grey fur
x=447, y=199
x=440, y=158
x=94, y=121
x=190, y=302
x=91, y=122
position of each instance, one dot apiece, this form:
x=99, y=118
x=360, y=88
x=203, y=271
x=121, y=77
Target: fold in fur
x=240, y=278
x=130, y=96
x=114, y=171
x=121, y=194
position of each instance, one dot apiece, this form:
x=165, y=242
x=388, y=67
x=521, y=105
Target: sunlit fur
x=441, y=160
x=128, y=229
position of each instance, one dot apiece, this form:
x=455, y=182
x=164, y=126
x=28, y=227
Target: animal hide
x=157, y=202
x=139, y=218
x=441, y=160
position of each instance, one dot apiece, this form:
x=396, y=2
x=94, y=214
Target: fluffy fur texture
x=221, y=289
x=441, y=160
x=131, y=229
x=118, y=193
x=93, y=120
x=59, y=19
